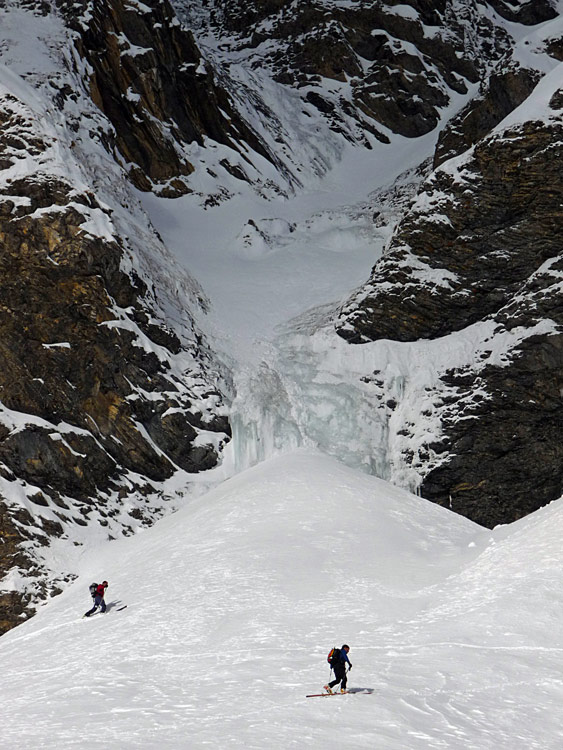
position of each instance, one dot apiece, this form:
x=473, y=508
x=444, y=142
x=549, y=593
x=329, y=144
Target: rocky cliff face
x=479, y=254
x=101, y=402
x=107, y=387
x=148, y=77
x=369, y=68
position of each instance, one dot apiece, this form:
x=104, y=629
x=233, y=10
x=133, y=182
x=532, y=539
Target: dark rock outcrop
x=483, y=245
x=490, y=227
x=502, y=93
x=149, y=79
x=504, y=451
x=528, y=12
x=101, y=400
x=399, y=75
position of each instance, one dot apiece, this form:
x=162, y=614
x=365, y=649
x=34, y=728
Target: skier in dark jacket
x=98, y=599
x=339, y=661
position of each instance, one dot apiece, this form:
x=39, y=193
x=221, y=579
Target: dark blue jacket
x=343, y=657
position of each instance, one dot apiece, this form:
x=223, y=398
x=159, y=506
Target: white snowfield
x=234, y=601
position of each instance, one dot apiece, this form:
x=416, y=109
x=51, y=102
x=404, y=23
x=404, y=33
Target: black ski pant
x=339, y=675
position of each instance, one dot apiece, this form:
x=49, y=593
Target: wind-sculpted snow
x=234, y=602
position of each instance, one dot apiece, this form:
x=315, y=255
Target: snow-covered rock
x=108, y=387
x=478, y=255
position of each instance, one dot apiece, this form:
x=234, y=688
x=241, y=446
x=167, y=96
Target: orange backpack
x=333, y=655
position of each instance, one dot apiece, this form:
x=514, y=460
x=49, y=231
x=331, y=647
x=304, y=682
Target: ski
x=352, y=691
x=323, y=695
x=108, y=610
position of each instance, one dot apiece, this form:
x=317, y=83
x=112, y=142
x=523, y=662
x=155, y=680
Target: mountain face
x=149, y=79
x=109, y=388
x=479, y=254
x=112, y=393
x=476, y=255
x=369, y=68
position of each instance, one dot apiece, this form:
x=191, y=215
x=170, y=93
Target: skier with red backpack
x=338, y=658
x=98, y=592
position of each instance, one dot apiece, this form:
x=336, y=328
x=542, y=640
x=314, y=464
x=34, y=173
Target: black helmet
x=346, y=646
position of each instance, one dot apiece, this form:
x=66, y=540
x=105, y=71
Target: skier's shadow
x=367, y=691
x=111, y=605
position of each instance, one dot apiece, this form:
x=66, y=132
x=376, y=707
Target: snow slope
x=262, y=261
x=234, y=601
